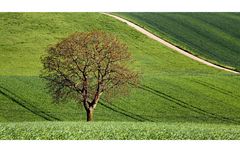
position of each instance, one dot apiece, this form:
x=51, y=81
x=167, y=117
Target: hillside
x=212, y=36
x=173, y=87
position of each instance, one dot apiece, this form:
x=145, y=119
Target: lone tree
x=84, y=66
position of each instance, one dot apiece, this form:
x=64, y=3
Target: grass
x=212, y=36
x=117, y=131
x=174, y=89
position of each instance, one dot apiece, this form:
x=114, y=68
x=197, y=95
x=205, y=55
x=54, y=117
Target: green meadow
x=103, y=130
x=174, y=90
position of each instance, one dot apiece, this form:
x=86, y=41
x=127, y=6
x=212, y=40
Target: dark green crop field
x=212, y=36
x=173, y=88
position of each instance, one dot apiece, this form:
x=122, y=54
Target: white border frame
x=119, y=5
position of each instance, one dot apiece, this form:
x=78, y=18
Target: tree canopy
x=84, y=66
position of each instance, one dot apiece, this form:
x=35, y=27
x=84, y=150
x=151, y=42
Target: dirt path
x=142, y=30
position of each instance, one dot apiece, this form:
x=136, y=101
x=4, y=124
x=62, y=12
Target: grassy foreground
x=117, y=130
x=213, y=36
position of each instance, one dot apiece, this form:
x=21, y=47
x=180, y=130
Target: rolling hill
x=211, y=36
x=173, y=87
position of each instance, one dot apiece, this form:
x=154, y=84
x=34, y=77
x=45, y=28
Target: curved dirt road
x=142, y=30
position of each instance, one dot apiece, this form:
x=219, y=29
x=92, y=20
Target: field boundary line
x=169, y=45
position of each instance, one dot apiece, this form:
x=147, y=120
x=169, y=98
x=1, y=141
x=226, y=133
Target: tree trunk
x=90, y=114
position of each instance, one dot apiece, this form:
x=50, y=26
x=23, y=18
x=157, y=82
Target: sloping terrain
x=169, y=45
x=212, y=36
x=173, y=87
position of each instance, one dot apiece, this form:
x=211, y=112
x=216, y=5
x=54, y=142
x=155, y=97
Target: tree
x=84, y=66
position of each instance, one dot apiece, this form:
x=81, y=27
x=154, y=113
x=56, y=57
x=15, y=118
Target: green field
x=174, y=89
x=212, y=36
x=117, y=131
